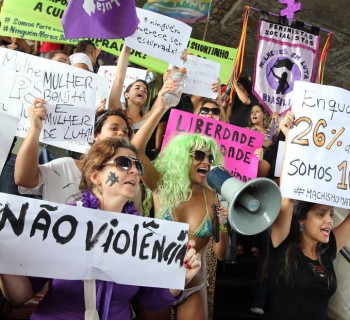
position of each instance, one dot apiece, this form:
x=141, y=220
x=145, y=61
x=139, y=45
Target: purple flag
x=100, y=19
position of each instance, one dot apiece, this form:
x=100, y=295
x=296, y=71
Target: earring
x=98, y=187
x=301, y=227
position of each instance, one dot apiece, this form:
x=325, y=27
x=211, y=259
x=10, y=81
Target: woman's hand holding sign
x=37, y=113
x=192, y=263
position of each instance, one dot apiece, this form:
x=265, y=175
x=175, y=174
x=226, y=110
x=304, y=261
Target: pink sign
x=236, y=144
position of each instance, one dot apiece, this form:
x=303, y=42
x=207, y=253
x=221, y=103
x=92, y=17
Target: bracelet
x=223, y=229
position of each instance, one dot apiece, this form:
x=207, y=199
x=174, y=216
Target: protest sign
x=160, y=36
x=45, y=239
x=132, y=74
x=63, y=122
x=25, y=77
x=317, y=149
x=41, y=21
x=236, y=144
x=8, y=126
x=201, y=74
x=284, y=55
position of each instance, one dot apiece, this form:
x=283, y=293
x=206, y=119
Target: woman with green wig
x=177, y=184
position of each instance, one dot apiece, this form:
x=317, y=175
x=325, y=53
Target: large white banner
x=316, y=166
x=45, y=239
x=284, y=55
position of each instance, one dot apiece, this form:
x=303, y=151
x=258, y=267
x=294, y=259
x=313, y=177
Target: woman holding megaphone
x=176, y=180
x=300, y=262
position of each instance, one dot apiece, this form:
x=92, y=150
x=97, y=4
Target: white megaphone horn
x=252, y=206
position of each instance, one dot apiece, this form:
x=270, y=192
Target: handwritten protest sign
x=25, y=77
x=30, y=19
x=160, y=36
x=46, y=239
x=70, y=107
x=318, y=147
x=63, y=122
x=202, y=73
x=236, y=144
x=8, y=126
x=132, y=74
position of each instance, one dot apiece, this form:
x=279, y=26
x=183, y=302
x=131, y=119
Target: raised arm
x=242, y=95
x=281, y=226
x=141, y=138
x=27, y=162
x=117, y=87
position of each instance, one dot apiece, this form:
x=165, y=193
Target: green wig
x=174, y=164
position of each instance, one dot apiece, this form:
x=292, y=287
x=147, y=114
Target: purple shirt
x=65, y=299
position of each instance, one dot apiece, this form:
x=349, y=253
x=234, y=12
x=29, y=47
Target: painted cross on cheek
x=112, y=178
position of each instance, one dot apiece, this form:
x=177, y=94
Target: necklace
x=89, y=200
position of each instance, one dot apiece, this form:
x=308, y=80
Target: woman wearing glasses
x=58, y=180
x=213, y=109
x=177, y=181
x=110, y=178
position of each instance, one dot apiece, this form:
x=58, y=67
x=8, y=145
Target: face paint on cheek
x=112, y=178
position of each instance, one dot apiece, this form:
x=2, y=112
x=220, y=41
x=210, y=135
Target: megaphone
x=252, y=206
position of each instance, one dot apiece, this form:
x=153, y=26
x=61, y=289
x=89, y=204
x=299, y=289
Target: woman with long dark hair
x=302, y=249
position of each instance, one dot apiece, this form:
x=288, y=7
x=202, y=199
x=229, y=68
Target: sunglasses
x=124, y=163
x=200, y=156
x=205, y=111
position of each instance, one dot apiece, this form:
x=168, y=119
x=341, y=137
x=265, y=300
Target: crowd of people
x=301, y=244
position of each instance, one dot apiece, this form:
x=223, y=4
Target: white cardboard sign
x=160, y=36
x=201, y=74
x=316, y=166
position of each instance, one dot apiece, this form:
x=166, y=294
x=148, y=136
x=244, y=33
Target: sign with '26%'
x=317, y=159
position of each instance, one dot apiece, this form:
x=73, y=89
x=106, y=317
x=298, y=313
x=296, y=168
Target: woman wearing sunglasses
x=177, y=182
x=213, y=109
x=58, y=180
x=110, y=178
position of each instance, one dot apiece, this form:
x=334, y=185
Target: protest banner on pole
x=316, y=167
x=51, y=240
x=160, y=36
x=201, y=74
x=41, y=21
x=284, y=55
x=236, y=144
